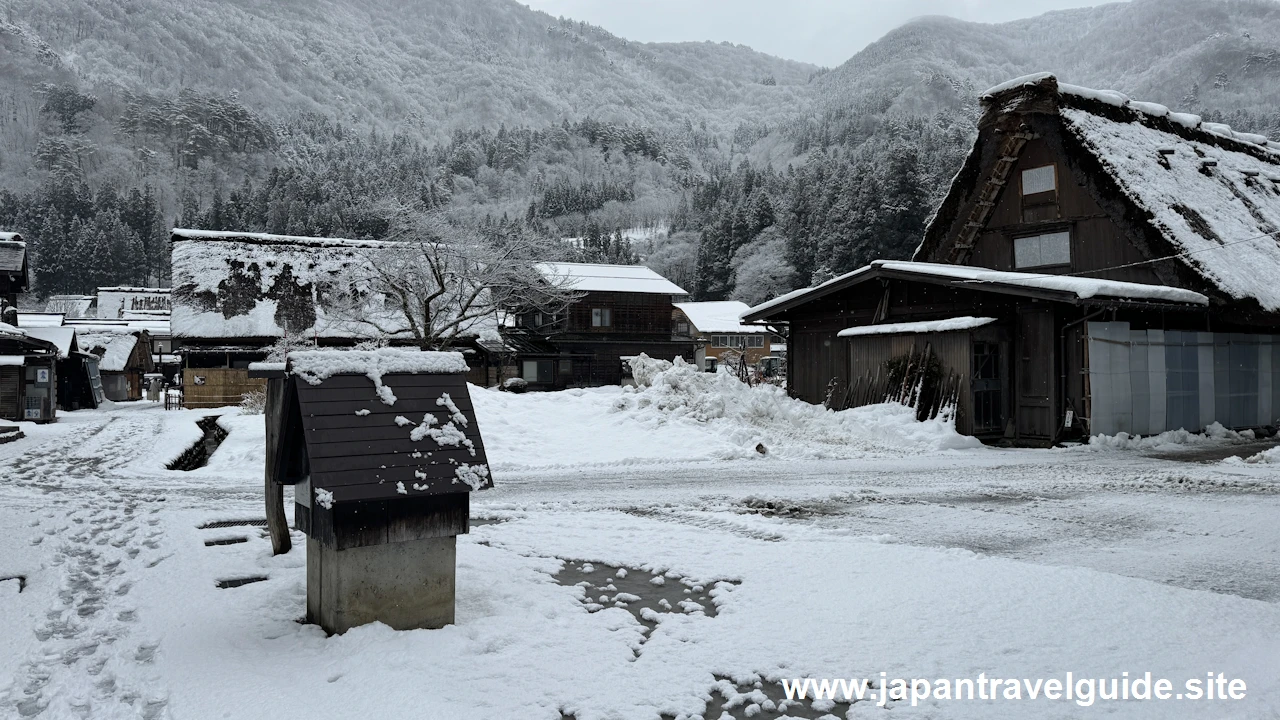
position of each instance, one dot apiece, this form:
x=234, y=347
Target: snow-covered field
x=859, y=542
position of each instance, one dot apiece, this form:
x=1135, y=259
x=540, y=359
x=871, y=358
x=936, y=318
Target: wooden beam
x=277, y=524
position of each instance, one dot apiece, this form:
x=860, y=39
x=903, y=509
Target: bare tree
x=438, y=282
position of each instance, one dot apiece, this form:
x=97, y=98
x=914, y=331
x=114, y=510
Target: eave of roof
x=1045, y=287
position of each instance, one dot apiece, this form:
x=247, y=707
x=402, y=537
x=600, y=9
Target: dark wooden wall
x=633, y=314
x=1096, y=241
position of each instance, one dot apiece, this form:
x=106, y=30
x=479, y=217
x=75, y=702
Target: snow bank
x=1214, y=433
x=679, y=414
x=748, y=416
x=1266, y=457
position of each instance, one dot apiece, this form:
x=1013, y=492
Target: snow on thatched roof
x=113, y=346
x=1212, y=193
x=593, y=277
x=718, y=316
x=254, y=285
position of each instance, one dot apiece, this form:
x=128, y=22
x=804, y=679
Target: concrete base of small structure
x=406, y=585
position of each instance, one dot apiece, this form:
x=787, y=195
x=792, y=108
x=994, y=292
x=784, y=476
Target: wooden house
x=718, y=331
x=1099, y=265
x=79, y=383
x=124, y=357
x=621, y=311
x=14, y=268
x=28, y=376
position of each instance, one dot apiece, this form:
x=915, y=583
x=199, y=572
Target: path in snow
x=839, y=566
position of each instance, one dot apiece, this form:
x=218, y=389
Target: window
x=601, y=317
x=1042, y=250
x=718, y=341
x=682, y=328
x=1038, y=180
x=757, y=341
x=537, y=371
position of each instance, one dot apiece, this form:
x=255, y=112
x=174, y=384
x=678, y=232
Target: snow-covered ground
x=860, y=542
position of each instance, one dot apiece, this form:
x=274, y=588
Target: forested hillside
x=735, y=173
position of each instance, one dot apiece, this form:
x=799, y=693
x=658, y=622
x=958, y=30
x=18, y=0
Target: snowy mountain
x=396, y=64
x=1222, y=54
x=124, y=117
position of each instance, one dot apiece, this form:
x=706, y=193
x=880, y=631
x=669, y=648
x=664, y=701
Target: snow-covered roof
x=13, y=253
x=1080, y=288
x=62, y=337
x=72, y=306
x=147, y=290
x=7, y=329
x=592, y=277
x=722, y=316
x=39, y=319
x=255, y=285
x=1211, y=193
x=954, y=324
x=113, y=347
x=314, y=366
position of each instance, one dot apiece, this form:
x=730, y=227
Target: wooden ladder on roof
x=1010, y=149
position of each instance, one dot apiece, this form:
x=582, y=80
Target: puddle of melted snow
x=646, y=595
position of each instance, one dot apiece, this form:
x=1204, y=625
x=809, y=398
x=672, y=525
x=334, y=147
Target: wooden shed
x=124, y=357
x=382, y=448
x=28, y=376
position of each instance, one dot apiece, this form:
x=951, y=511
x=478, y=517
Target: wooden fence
x=919, y=383
x=217, y=387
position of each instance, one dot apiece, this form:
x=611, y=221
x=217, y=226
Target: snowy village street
x=904, y=553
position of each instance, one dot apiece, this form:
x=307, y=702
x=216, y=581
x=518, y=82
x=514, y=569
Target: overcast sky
x=825, y=32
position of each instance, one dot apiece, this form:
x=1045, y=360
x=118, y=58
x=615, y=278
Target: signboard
x=42, y=375
x=32, y=414
x=114, y=302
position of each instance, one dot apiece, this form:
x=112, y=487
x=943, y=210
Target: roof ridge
x=1079, y=96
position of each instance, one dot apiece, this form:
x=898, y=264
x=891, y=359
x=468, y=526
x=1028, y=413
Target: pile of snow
x=680, y=414
x=1266, y=457
x=1214, y=433
x=748, y=416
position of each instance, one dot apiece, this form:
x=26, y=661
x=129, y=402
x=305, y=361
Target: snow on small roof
x=12, y=360
x=7, y=329
x=113, y=348
x=718, y=316
x=954, y=324
x=13, y=253
x=314, y=366
x=73, y=306
x=40, y=319
x=591, y=277
x=63, y=337
x=1080, y=287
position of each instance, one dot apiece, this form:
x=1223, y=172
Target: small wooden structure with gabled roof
x=382, y=448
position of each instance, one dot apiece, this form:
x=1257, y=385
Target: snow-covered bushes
x=253, y=402
x=515, y=385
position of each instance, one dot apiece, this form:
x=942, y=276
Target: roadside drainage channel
x=198, y=454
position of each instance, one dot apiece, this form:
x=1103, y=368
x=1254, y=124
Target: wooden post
x=276, y=522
